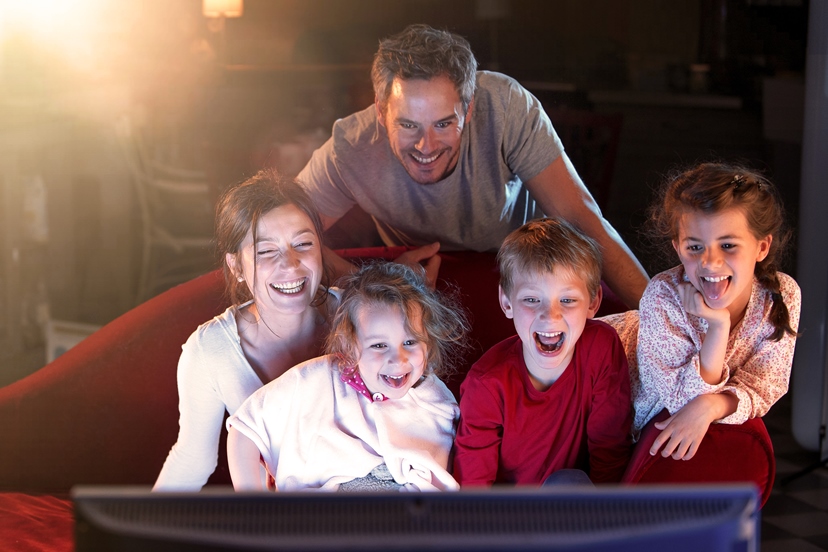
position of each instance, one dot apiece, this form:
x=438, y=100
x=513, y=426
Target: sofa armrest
x=728, y=453
x=106, y=411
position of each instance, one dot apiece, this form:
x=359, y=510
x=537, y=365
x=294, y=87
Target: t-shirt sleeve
x=530, y=141
x=323, y=182
x=194, y=456
x=477, y=447
x=609, y=427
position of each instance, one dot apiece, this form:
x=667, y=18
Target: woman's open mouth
x=290, y=288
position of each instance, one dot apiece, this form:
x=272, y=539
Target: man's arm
x=424, y=257
x=561, y=193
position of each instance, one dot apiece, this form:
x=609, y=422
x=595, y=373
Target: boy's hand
x=682, y=433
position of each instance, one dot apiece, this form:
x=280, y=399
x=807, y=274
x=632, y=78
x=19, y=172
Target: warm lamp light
x=222, y=8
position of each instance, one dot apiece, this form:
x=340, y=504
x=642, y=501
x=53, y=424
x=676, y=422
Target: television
x=635, y=518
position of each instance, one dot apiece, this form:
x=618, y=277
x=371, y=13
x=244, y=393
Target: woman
x=270, y=235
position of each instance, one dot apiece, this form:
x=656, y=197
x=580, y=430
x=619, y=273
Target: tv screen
x=673, y=518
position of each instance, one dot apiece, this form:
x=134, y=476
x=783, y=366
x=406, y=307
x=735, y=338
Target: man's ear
x=470, y=110
x=595, y=302
x=380, y=115
x=505, y=303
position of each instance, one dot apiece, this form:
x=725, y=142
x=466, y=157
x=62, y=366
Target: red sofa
x=106, y=412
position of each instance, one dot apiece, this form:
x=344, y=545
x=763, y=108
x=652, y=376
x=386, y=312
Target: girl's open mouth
x=714, y=287
x=395, y=382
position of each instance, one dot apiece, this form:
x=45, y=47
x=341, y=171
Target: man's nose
x=426, y=141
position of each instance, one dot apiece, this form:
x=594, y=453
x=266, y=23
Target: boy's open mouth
x=549, y=342
x=290, y=288
x=714, y=287
x=395, y=382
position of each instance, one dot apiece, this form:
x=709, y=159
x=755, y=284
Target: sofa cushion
x=728, y=453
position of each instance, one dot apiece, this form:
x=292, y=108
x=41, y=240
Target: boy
x=557, y=395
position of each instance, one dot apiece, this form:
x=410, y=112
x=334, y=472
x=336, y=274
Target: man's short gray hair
x=422, y=52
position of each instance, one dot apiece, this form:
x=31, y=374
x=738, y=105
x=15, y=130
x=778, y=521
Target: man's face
x=424, y=120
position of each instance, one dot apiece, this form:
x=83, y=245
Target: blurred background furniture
x=591, y=142
x=177, y=210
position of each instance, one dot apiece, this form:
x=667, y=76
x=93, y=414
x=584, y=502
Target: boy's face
x=549, y=311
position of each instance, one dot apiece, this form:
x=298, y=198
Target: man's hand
x=424, y=257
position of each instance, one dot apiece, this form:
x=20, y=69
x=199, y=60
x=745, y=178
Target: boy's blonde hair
x=444, y=324
x=544, y=245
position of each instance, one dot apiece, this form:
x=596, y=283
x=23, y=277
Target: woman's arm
x=194, y=456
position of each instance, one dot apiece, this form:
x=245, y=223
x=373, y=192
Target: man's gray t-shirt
x=508, y=140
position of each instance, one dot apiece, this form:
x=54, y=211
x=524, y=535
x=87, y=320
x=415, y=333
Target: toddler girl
x=717, y=333
x=371, y=414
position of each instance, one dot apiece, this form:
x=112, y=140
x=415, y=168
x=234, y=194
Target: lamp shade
x=222, y=8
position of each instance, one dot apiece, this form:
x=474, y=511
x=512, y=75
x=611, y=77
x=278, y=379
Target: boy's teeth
x=549, y=341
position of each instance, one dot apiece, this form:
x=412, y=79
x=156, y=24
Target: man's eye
x=266, y=252
x=408, y=126
x=444, y=124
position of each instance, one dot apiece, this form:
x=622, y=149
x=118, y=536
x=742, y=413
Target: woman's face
x=283, y=269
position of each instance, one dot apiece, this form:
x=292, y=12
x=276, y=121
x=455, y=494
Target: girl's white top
x=314, y=431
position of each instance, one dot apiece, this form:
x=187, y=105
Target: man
x=454, y=158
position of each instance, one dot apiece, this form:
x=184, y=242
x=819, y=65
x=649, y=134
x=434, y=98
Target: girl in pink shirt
x=716, y=334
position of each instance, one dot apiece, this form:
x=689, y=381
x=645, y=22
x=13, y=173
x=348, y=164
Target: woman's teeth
x=289, y=287
x=549, y=342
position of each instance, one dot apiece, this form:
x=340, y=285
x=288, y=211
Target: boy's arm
x=477, y=446
x=243, y=461
x=610, y=420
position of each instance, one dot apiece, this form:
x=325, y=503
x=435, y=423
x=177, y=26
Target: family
x=331, y=373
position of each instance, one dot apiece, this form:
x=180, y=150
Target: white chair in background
x=177, y=216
